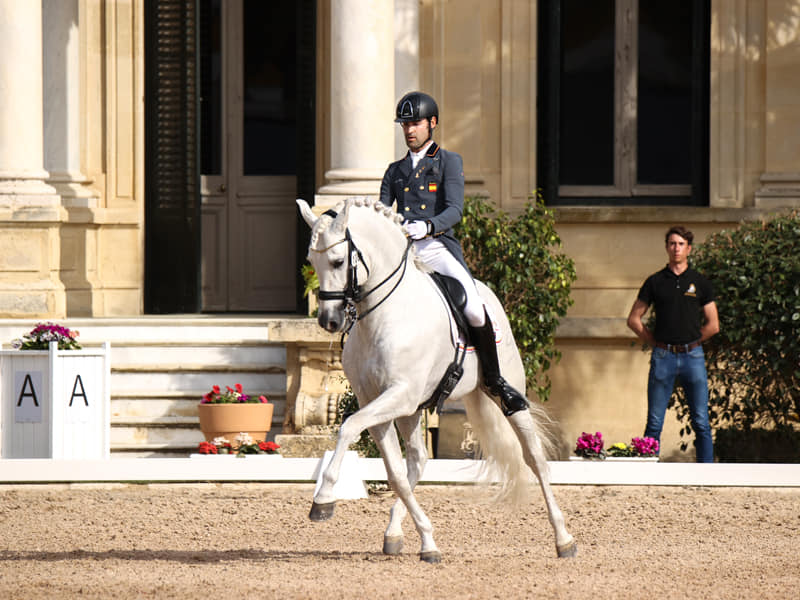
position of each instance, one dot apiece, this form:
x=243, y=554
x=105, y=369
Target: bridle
x=352, y=294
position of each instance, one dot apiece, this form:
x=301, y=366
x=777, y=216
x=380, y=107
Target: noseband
x=352, y=294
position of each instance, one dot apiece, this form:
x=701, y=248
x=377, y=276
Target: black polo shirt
x=678, y=301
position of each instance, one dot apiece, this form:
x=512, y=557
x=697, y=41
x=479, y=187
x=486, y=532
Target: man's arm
x=711, y=326
x=453, y=183
x=636, y=324
x=386, y=187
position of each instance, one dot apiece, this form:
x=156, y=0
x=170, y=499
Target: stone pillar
x=62, y=108
x=362, y=99
x=406, y=59
x=780, y=182
x=63, y=137
x=30, y=210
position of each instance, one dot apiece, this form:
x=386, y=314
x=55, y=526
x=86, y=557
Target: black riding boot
x=511, y=400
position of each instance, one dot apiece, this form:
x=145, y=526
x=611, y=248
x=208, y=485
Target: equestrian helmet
x=416, y=106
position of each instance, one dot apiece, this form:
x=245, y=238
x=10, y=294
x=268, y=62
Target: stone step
x=195, y=383
x=193, y=357
x=140, y=407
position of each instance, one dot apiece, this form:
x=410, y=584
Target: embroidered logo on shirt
x=432, y=186
x=692, y=291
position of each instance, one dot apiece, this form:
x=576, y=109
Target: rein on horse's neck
x=358, y=296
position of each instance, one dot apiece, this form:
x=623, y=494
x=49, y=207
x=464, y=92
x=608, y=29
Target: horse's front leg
x=523, y=425
x=416, y=457
x=386, y=438
x=389, y=405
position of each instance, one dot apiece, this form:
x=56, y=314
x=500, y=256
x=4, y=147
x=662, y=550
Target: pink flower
x=590, y=445
x=645, y=446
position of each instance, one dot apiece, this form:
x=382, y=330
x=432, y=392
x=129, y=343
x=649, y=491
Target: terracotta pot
x=229, y=420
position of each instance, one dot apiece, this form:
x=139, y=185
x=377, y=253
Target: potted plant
x=226, y=414
x=55, y=396
x=242, y=445
x=591, y=446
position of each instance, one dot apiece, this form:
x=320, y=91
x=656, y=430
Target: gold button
x=405, y=189
x=407, y=209
x=422, y=207
x=422, y=187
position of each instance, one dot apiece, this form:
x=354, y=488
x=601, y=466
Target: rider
x=428, y=185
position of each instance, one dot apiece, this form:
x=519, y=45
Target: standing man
x=680, y=294
x=428, y=186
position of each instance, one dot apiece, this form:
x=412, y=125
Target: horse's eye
x=338, y=263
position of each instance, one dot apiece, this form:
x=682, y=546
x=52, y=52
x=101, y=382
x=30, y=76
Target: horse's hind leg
x=523, y=425
x=386, y=439
x=416, y=457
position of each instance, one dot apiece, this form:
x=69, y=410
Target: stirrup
x=511, y=401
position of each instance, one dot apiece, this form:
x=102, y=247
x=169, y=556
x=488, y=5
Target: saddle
x=456, y=298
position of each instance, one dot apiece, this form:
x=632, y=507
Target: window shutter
x=172, y=203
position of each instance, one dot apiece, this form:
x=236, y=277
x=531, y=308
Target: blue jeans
x=689, y=369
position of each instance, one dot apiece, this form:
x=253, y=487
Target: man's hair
x=681, y=231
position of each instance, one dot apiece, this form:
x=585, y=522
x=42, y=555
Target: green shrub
x=780, y=445
x=518, y=259
x=753, y=368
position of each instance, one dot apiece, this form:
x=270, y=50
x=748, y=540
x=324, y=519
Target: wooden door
x=248, y=155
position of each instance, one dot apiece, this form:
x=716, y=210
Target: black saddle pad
x=456, y=297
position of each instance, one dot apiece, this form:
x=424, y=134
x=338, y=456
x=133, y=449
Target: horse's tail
x=501, y=448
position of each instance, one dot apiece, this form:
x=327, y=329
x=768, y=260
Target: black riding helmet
x=416, y=106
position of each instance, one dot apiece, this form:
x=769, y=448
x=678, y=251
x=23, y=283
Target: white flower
x=16, y=344
x=244, y=439
x=220, y=441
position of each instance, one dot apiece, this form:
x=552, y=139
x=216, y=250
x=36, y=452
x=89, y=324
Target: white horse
x=396, y=352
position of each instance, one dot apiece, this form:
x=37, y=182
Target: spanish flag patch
x=432, y=186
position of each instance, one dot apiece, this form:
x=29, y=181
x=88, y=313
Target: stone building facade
x=151, y=150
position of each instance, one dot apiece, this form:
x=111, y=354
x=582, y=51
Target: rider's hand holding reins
x=416, y=230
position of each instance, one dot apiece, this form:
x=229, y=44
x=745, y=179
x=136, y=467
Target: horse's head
x=342, y=252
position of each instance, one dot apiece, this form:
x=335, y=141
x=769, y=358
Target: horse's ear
x=340, y=222
x=305, y=210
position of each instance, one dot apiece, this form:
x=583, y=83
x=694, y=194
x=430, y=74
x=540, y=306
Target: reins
x=352, y=294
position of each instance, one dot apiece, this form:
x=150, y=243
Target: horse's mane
x=364, y=202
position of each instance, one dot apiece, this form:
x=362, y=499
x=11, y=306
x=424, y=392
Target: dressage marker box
x=55, y=403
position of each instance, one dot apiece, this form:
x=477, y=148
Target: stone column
x=780, y=182
x=406, y=59
x=62, y=109
x=30, y=210
x=361, y=119
x=63, y=138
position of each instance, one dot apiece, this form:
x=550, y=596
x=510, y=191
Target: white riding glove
x=416, y=230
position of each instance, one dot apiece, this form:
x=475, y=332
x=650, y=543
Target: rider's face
x=417, y=133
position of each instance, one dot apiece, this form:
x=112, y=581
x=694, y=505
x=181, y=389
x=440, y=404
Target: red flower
x=207, y=448
x=263, y=399
x=238, y=387
x=268, y=447
x=215, y=389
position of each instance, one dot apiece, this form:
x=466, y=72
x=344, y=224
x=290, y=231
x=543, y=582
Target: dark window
x=270, y=88
x=623, y=101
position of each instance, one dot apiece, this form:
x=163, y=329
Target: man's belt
x=678, y=348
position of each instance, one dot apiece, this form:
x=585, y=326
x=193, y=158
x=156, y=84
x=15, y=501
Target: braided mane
x=356, y=201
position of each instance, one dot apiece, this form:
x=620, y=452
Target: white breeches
x=434, y=254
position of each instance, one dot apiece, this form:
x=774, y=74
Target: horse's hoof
x=321, y=511
x=568, y=551
x=431, y=556
x=393, y=545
